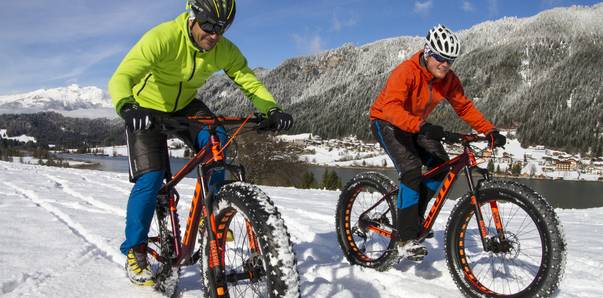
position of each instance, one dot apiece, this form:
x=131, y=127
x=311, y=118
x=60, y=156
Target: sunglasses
x=441, y=59
x=212, y=28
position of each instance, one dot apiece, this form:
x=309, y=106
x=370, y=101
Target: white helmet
x=443, y=42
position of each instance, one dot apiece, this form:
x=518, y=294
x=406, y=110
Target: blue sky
x=47, y=44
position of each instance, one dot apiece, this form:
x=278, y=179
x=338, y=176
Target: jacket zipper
x=429, y=100
x=144, y=84
x=189, y=78
x=177, y=97
x=194, y=66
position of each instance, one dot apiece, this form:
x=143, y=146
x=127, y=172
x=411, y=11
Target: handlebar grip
x=263, y=126
x=452, y=137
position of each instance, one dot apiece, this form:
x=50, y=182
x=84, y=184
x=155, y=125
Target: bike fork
x=479, y=216
x=478, y=211
x=216, y=264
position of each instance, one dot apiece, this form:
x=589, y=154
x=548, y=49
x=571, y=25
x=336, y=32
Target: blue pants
x=143, y=197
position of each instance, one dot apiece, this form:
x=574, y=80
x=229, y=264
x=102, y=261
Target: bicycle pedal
x=415, y=258
x=429, y=235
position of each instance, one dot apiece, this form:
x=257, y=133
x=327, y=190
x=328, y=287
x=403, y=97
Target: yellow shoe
x=137, y=267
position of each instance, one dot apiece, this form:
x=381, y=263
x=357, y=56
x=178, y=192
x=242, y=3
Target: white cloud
x=493, y=7
x=308, y=44
x=60, y=20
x=467, y=6
x=337, y=24
x=423, y=7
x=52, y=69
x=52, y=42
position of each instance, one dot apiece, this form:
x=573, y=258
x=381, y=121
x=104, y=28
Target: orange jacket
x=411, y=93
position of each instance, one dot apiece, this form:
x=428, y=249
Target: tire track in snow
x=105, y=250
x=37, y=277
x=41, y=277
x=64, y=186
x=125, y=191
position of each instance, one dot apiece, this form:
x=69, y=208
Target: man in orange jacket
x=413, y=90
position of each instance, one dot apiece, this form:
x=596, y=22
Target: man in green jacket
x=160, y=77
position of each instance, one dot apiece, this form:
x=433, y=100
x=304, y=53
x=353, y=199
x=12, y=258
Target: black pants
x=409, y=152
x=147, y=149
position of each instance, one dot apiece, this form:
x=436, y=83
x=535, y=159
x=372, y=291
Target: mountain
x=541, y=75
x=66, y=132
x=73, y=100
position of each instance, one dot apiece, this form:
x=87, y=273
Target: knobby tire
x=359, y=245
x=528, y=263
x=275, y=267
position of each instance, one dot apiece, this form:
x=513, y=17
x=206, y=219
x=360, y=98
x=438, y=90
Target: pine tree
x=308, y=180
x=490, y=166
x=516, y=169
x=330, y=180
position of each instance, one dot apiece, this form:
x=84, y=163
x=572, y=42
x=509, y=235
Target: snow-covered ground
x=21, y=138
x=61, y=229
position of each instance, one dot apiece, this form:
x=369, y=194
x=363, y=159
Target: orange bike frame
x=466, y=161
x=206, y=158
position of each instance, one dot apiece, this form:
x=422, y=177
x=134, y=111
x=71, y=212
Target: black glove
x=136, y=117
x=495, y=139
x=279, y=120
x=431, y=131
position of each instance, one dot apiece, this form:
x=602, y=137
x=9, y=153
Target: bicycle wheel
x=253, y=244
x=527, y=262
x=161, y=241
x=360, y=242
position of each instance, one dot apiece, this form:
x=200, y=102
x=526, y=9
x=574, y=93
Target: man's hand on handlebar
x=495, y=139
x=277, y=120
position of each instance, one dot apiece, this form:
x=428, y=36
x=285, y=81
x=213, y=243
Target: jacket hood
x=420, y=63
x=182, y=22
x=416, y=61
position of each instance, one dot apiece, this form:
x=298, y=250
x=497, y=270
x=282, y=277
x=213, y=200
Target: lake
x=560, y=193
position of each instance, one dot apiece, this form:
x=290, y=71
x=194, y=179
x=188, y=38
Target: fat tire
x=362, y=181
x=550, y=272
x=167, y=275
x=271, y=233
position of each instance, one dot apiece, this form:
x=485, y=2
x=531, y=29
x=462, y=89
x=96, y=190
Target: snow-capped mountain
x=532, y=74
x=539, y=75
x=72, y=100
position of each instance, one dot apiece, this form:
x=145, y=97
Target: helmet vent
x=443, y=41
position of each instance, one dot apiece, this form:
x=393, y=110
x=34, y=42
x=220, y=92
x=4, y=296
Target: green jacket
x=164, y=70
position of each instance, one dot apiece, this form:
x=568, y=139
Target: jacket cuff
x=271, y=109
x=120, y=103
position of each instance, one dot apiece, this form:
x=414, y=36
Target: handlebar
x=453, y=138
x=184, y=122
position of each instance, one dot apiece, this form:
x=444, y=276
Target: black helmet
x=216, y=15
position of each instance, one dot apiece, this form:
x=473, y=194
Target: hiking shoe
x=411, y=250
x=137, y=267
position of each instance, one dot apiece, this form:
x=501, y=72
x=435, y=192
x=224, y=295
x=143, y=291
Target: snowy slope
x=62, y=228
x=73, y=100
